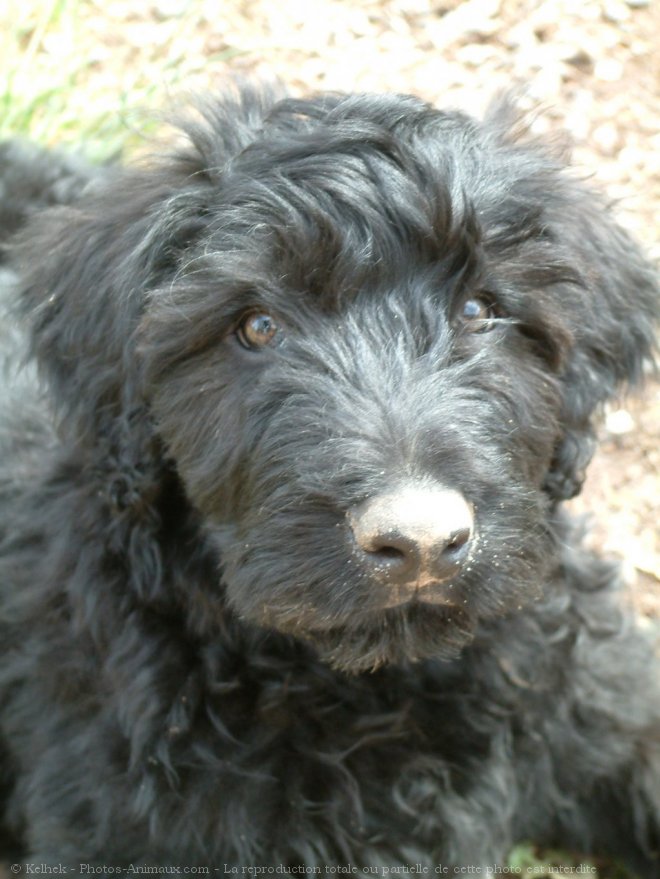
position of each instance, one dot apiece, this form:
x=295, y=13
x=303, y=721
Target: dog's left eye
x=477, y=315
x=257, y=330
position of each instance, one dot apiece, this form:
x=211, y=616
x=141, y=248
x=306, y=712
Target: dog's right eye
x=257, y=330
x=477, y=314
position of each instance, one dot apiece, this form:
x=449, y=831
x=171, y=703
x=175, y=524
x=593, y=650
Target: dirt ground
x=594, y=66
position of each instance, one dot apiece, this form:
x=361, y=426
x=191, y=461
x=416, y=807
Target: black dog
x=285, y=581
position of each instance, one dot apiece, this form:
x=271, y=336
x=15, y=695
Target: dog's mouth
x=359, y=627
x=408, y=633
x=428, y=592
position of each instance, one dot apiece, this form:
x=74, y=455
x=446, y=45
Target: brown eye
x=257, y=330
x=477, y=315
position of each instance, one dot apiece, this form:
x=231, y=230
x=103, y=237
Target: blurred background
x=93, y=74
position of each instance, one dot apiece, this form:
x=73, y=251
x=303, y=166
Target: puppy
x=285, y=580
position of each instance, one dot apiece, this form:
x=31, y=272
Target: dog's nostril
x=388, y=552
x=458, y=540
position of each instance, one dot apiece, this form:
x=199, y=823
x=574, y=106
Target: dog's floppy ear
x=603, y=294
x=87, y=273
x=613, y=318
x=87, y=269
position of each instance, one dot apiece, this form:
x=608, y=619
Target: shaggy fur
x=200, y=666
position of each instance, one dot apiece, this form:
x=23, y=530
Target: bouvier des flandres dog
x=286, y=582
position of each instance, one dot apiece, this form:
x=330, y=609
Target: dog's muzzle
x=414, y=540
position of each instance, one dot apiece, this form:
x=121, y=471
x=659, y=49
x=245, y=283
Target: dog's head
x=353, y=345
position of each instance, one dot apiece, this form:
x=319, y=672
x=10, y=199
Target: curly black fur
x=198, y=667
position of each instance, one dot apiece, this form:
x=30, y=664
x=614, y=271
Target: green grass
x=528, y=862
x=67, y=75
x=37, y=85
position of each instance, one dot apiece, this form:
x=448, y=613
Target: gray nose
x=415, y=535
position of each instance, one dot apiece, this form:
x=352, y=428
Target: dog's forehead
x=372, y=178
x=360, y=157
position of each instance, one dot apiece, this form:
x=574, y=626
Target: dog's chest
x=312, y=749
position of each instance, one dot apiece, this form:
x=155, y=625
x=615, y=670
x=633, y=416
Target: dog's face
x=357, y=330
x=370, y=342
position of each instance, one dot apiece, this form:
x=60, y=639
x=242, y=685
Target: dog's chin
x=397, y=636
